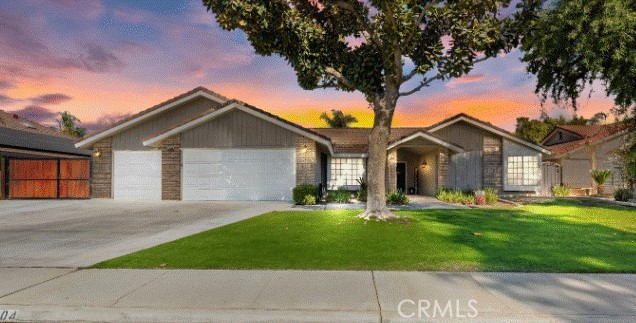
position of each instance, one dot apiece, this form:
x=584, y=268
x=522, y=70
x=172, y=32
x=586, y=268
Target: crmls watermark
x=424, y=309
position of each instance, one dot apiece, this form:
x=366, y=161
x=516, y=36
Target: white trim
x=230, y=107
x=129, y=123
x=420, y=134
x=493, y=130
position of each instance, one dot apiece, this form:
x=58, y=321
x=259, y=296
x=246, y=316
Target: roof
x=136, y=118
x=589, y=135
x=39, y=142
x=488, y=127
x=355, y=140
x=13, y=121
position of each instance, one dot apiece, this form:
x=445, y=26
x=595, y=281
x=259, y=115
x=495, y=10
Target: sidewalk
x=41, y=294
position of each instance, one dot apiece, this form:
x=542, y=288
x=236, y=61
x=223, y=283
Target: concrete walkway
x=238, y=295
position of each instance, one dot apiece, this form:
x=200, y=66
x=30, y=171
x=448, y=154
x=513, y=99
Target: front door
x=400, y=172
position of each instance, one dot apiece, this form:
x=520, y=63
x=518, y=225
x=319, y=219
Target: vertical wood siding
x=237, y=129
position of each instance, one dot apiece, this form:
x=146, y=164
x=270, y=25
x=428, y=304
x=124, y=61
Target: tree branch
x=338, y=76
x=368, y=31
x=407, y=77
x=419, y=20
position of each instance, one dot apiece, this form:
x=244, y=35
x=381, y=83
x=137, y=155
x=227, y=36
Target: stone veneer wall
x=306, y=160
x=103, y=169
x=391, y=171
x=171, y=168
x=493, y=163
x=442, y=169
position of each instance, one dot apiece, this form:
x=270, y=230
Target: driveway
x=80, y=233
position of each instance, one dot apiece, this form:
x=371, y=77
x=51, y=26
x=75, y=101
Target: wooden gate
x=551, y=177
x=48, y=178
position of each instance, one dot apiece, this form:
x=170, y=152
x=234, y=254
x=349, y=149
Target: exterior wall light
x=97, y=153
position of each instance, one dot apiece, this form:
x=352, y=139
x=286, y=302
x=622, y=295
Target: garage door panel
x=238, y=174
x=137, y=175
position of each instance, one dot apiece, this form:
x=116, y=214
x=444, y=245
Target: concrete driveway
x=80, y=233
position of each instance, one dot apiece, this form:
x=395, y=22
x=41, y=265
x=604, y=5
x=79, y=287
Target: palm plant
x=338, y=119
x=600, y=177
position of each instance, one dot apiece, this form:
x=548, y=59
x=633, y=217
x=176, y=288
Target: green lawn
x=560, y=236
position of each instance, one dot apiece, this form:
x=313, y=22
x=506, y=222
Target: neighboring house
x=202, y=146
x=40, y=162
x=578, y=149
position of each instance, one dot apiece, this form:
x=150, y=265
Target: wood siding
x=132, y=139
x=493, y=162
x=465, y=171
x=237, y=129
x=561, y=136
x=464, y=135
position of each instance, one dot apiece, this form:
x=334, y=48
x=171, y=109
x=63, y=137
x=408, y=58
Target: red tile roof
x=355, y=140
x=590, y=134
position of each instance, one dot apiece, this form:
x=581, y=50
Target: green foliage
x=338, y=119
x=629, y=160
x=601, y=176
x=491, y=195
x=561, y=191
x=455, y=196
x=309, y=200
x=536, y=129
x=342, y=195
x=623, y=194
x=67, y=123
x=362, y=192
x=300, y=193
x=397, y=198
x=572, y=43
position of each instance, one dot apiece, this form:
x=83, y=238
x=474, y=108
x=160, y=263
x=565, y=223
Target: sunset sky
x=103, y=60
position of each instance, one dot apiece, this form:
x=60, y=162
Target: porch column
x=442, y=169
x=391, y=172
x=171, y=168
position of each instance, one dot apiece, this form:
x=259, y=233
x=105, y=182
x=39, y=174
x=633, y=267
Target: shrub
x=397, y=198
x=309, y=200
x=300, y=192
x=362, y=192
x=561, y=191
x=455, y=196
x=342, y=195
x=491, y=195
x=623, y=195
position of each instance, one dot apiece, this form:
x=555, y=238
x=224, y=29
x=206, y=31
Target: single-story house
x=579, y=149
x=202, y=146
x=40, y=162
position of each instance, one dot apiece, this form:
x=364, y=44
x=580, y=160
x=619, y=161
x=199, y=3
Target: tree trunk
x=376, y=162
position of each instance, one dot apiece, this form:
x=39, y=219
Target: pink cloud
x=465, y=80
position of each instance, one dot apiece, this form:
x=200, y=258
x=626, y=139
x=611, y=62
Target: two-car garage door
x=209, y=174
x=238, y=174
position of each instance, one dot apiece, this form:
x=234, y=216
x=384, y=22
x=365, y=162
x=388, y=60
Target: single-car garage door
x=238, y=174
x=137, y=175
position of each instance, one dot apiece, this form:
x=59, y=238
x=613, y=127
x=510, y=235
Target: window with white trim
x=345, y=172
x=523, y=170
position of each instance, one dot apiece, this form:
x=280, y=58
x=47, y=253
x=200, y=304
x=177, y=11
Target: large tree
x=536, y=129
x=375, y=47
x=338, y=119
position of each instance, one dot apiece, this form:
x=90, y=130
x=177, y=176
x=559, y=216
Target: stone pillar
x=171, y=168
x=493, y=163
x=592, y=151
x=103, y=169
x=391, y=171
x=442, y=169
x=306, y=160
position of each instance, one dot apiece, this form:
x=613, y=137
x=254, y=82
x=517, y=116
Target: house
x=203, y=146
x=40, y=162
x=579, y=149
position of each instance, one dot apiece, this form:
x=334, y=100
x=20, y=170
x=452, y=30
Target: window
x=523, y=170
x=345, y=172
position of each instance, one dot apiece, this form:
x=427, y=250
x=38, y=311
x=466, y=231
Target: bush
x=561, y=191
x=623, y=195
x=300, y=192
x=491, y=195
x=397, y=198
x=455, y=196
x=342, y=195
x=362, y=192
x=309, y=200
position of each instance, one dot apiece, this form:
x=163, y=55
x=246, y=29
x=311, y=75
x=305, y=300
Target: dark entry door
x=400, y=171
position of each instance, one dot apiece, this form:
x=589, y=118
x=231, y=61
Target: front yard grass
x=559, y=236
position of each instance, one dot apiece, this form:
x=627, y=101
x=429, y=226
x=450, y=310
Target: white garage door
x=238, y=174
x=137, y=175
